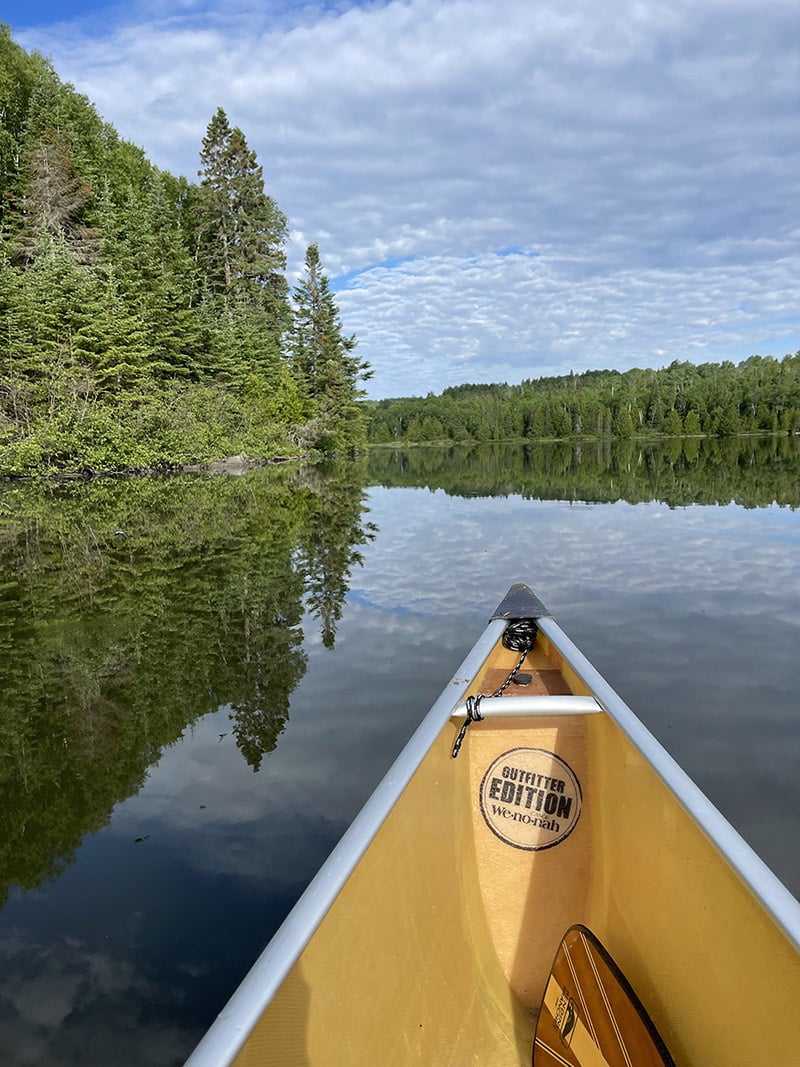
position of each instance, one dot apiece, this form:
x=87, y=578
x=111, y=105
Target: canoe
x=534, y=879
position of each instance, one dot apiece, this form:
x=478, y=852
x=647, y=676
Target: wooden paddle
x=590, y=1015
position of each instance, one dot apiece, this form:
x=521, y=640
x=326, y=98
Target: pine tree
x=323, y=363
x=52, y=302
x=672, y=423
x=240, y=230
x=154, y=274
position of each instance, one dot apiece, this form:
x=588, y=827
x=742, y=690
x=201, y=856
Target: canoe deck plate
x=520, y=602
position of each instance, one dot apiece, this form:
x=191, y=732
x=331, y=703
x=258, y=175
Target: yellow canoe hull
x=438, y=947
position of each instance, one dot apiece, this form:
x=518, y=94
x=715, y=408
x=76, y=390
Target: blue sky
x=18, y=13
x=500, y=189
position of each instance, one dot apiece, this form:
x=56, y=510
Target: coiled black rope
x=518, y=636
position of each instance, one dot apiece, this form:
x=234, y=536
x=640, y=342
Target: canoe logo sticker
x=530, y=798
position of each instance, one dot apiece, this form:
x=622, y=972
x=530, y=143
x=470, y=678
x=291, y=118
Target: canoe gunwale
x=230, y=1030
x=751, y=869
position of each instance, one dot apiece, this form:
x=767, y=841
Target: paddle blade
x=590, y=1015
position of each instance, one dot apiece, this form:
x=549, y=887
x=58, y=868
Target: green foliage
x=760, y=395
x=326, y=370
x=176, y=424
x=144, y=319
x=673, y=424
x=691, y=424
x=240, y=230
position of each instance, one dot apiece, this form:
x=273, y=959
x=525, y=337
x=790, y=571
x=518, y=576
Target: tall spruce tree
x=241, y=232
x=322, y=359
x=240, y=235
x=146, y=259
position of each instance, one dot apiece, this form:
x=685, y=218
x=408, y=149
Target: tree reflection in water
x=132, y=608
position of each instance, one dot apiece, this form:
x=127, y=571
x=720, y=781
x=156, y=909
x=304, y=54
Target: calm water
x=204, y=679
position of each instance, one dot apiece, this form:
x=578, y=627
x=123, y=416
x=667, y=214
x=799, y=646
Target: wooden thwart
x=590, y=1015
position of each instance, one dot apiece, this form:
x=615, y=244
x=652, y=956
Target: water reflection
x=156, y=635
x=752, y=471
x=132, y=609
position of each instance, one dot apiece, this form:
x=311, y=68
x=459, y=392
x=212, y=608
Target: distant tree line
x=759, y=395
x=144, y=319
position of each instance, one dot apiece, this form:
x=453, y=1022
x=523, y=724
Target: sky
x=500, y=189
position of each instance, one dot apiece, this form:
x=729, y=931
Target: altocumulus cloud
x=499, y=189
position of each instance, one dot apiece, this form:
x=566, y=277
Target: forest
x=759, y=395
x=147, y=321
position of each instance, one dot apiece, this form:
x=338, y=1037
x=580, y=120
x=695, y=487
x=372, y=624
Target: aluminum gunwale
x=757, y=876
x=232, y=1026
x=230, y=1030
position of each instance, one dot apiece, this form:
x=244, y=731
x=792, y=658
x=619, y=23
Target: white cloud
x=503, y=318
x=66, y=1003
x=649, y=155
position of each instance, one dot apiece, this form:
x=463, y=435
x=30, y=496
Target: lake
x=204, y=678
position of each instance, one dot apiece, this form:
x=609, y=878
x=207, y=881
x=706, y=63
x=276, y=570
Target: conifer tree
x=114, y=341
x=52, y=204
x=154, y=274
x=323, y=363
x=241, y=231
x=53, y=301
x=18, y=75
x=691, y=424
